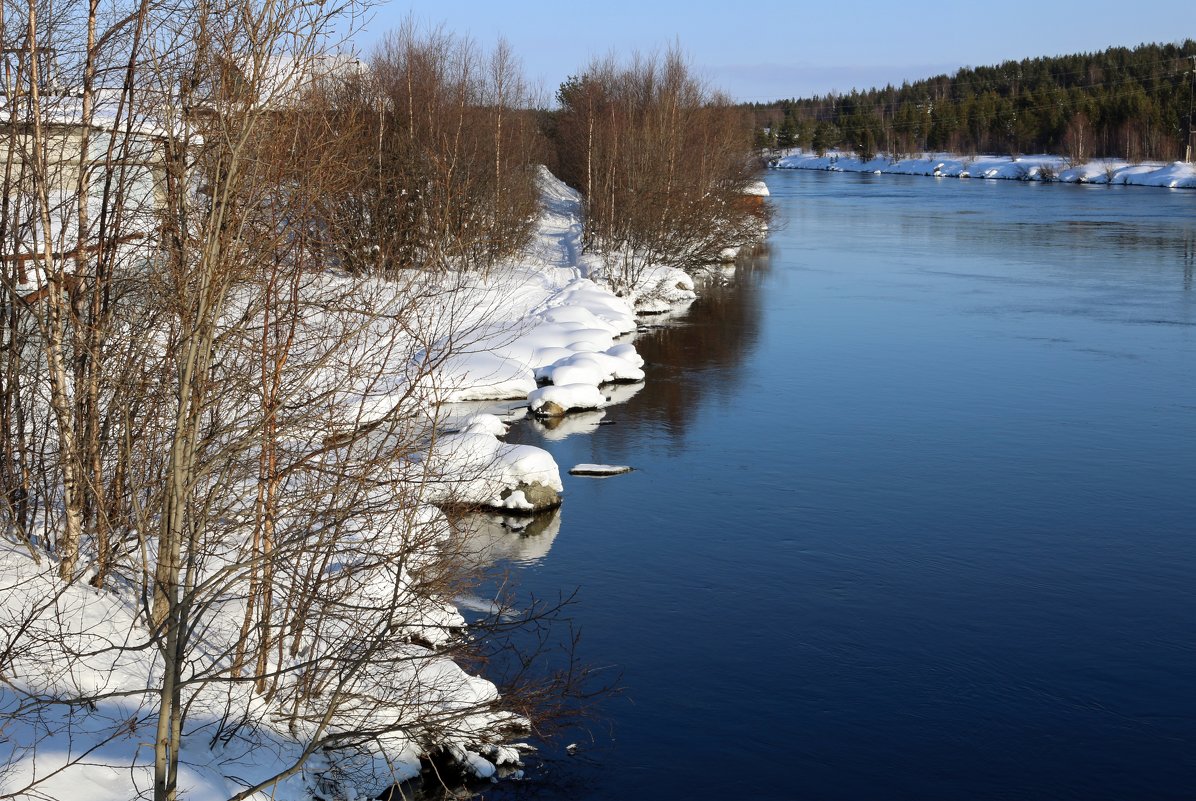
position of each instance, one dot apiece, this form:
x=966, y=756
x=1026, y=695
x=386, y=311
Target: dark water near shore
x=914, y=514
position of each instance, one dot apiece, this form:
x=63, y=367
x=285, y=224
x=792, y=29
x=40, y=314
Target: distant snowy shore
x=1176, y=175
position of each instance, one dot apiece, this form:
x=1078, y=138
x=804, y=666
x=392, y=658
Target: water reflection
x=488, y=538
x=720, y=325
x=691, y=357
x=1095, y=227
x=555, y=429
x=1189, y=260
x=910, y=524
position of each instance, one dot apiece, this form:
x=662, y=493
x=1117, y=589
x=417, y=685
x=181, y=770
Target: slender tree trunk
x=68, y=451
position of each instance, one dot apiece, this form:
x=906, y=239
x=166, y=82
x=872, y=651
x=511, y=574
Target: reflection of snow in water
x=456, y=416
x=475, y=603
x=671, y=315
x=486, y=538
x=621, y=393
x=555, y=429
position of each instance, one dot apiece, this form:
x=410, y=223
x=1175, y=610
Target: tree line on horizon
x=1131, y=103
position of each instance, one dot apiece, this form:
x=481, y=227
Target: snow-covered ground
x=540, y=318
x=543, y=318
x=1176, y=175
x=80, y=641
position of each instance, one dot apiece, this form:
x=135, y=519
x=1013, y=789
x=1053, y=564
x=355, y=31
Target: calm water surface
x=914, y=514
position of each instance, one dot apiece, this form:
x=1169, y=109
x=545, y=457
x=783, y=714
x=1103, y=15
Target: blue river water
x=913, y=514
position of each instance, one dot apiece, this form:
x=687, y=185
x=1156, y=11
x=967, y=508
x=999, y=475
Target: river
x=913, y=514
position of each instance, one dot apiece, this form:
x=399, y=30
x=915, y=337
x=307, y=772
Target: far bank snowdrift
x=1176, y=175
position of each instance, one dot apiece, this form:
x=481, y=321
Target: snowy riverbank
x=1176, y=175
x=81, y=668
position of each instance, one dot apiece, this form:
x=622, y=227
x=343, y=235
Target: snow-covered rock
x=661, y=289
x=599, y=469
x=559, y=399
x=475, y=468
x=599, y=367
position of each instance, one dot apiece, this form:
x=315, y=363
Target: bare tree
x=661, y=162
x=1077, y=138
x=450, y=183
x=75, y=208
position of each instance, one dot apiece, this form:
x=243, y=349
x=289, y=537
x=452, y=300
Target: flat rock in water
x=600, y=470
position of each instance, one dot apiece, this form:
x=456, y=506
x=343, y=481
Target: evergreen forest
x=1131, y=103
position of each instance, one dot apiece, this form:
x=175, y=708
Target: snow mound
x=559, y=399
x=485, y=424
x=475, y=468
x=756, y=189
x=662, y=289
x=594, y=368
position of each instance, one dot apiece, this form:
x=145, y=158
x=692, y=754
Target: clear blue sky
x=768, y=49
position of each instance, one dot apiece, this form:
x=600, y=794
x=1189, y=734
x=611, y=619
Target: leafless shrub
x=444, y=141
x=661, y=161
